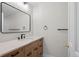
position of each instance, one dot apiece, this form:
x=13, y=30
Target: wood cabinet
x=33, y=49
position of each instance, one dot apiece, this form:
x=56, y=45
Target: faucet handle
x=18, y=38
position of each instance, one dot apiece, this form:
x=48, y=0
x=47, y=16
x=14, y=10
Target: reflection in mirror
x=14, y=20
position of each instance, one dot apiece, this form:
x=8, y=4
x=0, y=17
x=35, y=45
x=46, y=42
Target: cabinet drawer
x=38, y=43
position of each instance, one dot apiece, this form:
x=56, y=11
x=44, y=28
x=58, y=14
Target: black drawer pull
x=40, y=45
x=15, y=54
x=40, y=40
x=35, y=49
x=40, y=53
x=29, y=54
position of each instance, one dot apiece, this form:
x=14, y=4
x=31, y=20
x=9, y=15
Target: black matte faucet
x=22, y=36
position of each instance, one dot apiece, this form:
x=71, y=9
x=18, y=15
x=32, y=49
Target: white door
x=54, y=16
x=73, y=13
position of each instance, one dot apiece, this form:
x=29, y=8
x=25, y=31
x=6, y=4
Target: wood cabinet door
x=34, y=49
x=17, y=53
x=28, y=50
x=37, y=48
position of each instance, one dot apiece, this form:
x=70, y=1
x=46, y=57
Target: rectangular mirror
x=14, y=19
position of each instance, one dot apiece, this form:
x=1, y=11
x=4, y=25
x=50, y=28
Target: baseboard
x=47, y=55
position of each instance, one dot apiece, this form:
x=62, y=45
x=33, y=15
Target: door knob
x=66, y=44
x=62, y=29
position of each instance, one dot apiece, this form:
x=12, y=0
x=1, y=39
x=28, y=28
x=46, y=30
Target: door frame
x=72, y=32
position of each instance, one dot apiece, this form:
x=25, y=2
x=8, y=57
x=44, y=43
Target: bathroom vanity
x=22, y=48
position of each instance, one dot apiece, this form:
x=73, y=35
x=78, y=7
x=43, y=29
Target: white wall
x=54, y=15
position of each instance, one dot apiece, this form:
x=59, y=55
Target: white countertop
x=14, y=44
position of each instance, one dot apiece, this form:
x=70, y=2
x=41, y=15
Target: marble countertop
x=8, y=46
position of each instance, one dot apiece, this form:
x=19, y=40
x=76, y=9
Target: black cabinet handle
x=40, y=45
x=35, y=49
x=29, y=54
x=40, y=53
